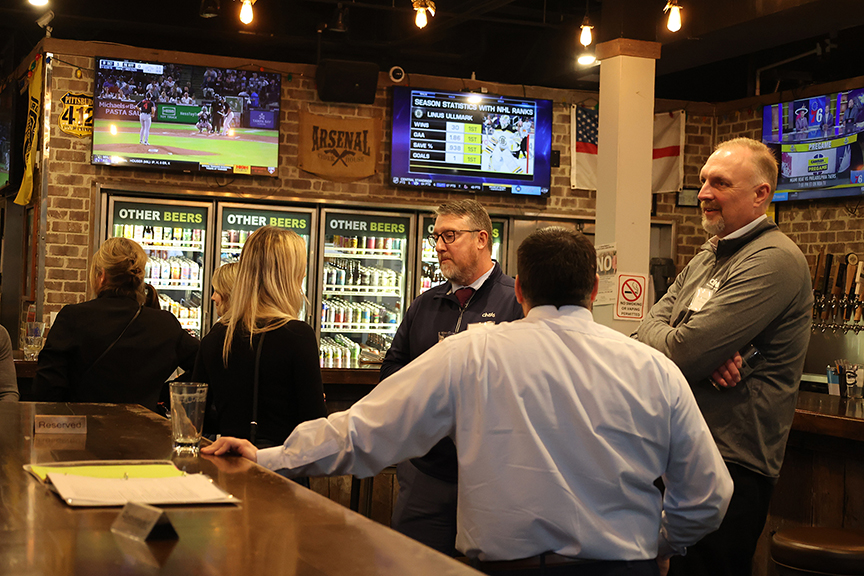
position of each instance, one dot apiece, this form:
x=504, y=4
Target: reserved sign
x=61, y=424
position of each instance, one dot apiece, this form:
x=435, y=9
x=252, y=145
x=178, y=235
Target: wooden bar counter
x=278, y=528
x=822, y=479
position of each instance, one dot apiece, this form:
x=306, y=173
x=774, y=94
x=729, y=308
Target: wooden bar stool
x=816, y=550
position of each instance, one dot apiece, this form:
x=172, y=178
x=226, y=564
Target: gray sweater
x=761, y=293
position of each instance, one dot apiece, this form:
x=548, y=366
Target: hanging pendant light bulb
x=39, y=2
x=246, y=14
x=674, y=21
x=585, y=36
x=421, y=6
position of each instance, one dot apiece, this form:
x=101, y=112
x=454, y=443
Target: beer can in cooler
x=244, y=235
x=388, y=244
x=341, y=278
x=128, y=231
x=196, y=235
x=234, y=236
x=370, y=242
x=118, y=230
x=187, y=234
x=157, y=234
x=325, y=308
x=138, y=232
x=379, y=243
x=226, y=237
x=178, y=234
x=348, y=318
x=337, y=240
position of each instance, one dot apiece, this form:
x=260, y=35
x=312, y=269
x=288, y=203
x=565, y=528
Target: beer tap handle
x=825, y=288
x=859, y=287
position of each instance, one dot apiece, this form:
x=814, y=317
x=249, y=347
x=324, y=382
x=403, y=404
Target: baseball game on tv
x=819, y=144
x=186, y=118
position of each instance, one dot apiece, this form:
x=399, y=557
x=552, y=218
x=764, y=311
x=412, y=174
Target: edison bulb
x=39, y=2
x=585, y=35
x=421, y=21
x=674, y=22
x=246, y=12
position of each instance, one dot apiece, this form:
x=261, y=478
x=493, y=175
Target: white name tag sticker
x=702, y=296
x=60, y=424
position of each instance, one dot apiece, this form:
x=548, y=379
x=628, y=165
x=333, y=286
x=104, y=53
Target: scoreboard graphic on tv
x=472, y=142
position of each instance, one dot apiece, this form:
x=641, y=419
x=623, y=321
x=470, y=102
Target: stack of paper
x=114, y=483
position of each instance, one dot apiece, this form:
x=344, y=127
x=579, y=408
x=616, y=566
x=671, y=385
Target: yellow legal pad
x=108, y=469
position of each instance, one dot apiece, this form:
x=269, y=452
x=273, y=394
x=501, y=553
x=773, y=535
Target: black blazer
x=135, y=368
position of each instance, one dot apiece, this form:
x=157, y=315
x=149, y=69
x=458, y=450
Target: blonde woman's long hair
x=268, y=292
x=223, y=282
x=123, y=262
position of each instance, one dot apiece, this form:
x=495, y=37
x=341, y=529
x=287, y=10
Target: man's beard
x=714, y=228
x=454, y=273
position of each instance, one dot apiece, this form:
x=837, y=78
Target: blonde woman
x=262, y=323
x=223, y=283
x=112, y=348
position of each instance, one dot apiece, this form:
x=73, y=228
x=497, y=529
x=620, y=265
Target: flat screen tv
x=818, y=142
x=185, y=118
x=473, y=142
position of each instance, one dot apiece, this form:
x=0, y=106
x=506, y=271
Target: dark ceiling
x=715, y=57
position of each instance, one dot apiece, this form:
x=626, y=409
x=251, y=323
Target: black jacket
x=289, y=382
x=133, y=371
x=437, y=310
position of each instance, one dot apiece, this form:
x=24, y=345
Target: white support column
x=624, y=146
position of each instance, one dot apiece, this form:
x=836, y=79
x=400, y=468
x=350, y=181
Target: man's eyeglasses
x=448, y=236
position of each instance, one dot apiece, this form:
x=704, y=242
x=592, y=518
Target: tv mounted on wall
x=473, y=142
x=206, y=119
x=818, y=142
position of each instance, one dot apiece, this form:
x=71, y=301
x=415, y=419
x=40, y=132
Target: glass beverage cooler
x=238, y=221
x=364, y=279
x=174, y=236
x=429, y=272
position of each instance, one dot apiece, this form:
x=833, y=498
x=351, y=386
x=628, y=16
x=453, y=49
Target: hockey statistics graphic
x=179, y=117
x=472, y=142
x=818, y=142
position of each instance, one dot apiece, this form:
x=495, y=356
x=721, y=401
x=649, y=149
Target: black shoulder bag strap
x=253, y=425
x=110, y=346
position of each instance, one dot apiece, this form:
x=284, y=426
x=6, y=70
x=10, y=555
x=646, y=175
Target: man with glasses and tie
x=477, y=292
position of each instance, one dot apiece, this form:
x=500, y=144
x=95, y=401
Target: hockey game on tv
x=186, y=118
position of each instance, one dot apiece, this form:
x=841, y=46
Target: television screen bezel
x=488, y=183
x=183, y=165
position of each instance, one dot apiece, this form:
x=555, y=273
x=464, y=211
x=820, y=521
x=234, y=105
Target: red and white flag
x=667, y=164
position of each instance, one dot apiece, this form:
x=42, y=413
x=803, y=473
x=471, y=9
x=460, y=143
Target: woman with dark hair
x=112, y=348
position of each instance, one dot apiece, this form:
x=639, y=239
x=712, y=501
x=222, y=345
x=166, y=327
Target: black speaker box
x=346, y=81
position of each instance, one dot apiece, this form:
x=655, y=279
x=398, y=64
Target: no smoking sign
x=630, y=298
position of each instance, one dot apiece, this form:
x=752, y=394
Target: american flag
x=586, y=130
